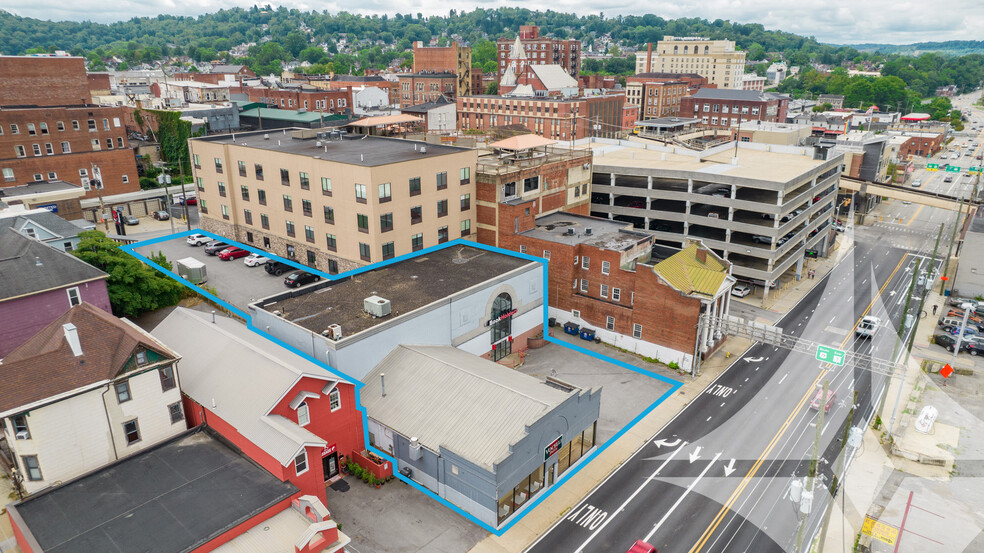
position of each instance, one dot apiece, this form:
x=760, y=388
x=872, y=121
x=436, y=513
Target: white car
x=741, y=290
x=198, y=239
x=868, y=327
x=255, y=260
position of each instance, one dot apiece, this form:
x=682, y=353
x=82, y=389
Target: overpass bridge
x=914, y=195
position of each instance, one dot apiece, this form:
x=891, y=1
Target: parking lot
x=232, y=280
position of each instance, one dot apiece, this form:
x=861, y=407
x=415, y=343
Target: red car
x=641, y=547
x=232, y=253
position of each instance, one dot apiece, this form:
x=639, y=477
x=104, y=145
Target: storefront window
x=588, y=440
x=536, y=481
x=505, y=505
x=522, y=492
x=564, y=459
x=576, y=449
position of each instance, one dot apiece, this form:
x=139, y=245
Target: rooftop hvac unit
x=415, y=453
x=587, y=231
x=376, y=306
x=333, y=332
x=570, y=232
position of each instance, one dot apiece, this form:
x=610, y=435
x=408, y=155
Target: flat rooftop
x=40, y=187
x=167, y=499
x=370, y=151
x=605, y=234
x=409, y=284
x=752, y=163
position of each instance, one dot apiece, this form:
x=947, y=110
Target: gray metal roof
x=28, y=266
x=43, y=218
x=729, y=94
x=244, y=374
x=451, y=399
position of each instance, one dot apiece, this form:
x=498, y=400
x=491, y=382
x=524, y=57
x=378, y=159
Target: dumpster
x=552, y=321
x=572, y=328
x=587, y=334
x=192, y=270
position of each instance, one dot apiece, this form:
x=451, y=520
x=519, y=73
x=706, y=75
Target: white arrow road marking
x=678, y=501
x=891, y=292
x=661, y=443
x=730, y=468
x=695, y=455
x=621, y=507
x=753, y=359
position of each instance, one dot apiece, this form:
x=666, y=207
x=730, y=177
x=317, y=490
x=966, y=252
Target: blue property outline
x=522, y=511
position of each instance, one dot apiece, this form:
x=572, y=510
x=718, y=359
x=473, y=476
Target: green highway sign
x=952, y=169
x=932, y=166
x=975, y=169
x=830, y=355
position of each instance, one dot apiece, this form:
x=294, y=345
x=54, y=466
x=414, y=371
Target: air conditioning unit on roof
x=376, y=306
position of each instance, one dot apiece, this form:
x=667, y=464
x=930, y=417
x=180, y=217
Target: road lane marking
x=680, y=499
x=630, y=498
x=783, y=378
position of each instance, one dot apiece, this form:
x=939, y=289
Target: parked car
x=161, y=215
x=661, y=227
x=278, y=267
x=867, y=327
x=760, y=239
x=817, y=400
x=975, y=345
x=916, y=183
x=960, y=301
x=300, y=278
x=190, y=201
x=948, y=342
x=232, y=253
x=741, y=290
x=255, y=259
x=130, y=220
x=216, y=246
x=839, y=227
x=198, y=239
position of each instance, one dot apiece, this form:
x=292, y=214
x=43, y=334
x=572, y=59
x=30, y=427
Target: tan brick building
x=717, y=60
x=656, y=98
x=334, y=204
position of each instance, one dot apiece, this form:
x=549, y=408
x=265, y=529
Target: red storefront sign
x=329, y=449
x=504, y=316
x=552, y=448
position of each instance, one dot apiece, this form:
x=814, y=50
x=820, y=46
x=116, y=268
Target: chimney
x=382, y=383
x=649, y=58
x=72, y=337
x=701, y=255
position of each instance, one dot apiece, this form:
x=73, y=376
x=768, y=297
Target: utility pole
x=905, y=315
x=835, y=484
x=953, y=238
x=187, y=213
x=97, y=184
x=806, y=503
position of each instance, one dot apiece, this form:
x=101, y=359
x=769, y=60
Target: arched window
x=303, y=415
x=707, y=50
x=686, y=49
x=676, y=50
x=501, y=316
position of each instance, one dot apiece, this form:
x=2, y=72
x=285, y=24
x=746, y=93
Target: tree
x=134, y=288
x=493, y=88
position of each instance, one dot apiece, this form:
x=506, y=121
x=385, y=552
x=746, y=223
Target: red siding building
x=301, y=96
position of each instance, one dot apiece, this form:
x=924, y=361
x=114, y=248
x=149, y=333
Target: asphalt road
x=716, y=478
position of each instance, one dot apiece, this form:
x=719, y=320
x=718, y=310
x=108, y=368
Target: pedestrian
x=934, y=309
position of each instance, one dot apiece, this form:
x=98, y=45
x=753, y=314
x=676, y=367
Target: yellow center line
x=782, y=430
x=915, y=215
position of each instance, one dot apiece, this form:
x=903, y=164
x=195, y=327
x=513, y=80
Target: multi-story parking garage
x=762, y=207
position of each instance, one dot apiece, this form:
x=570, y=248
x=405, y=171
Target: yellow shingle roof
x=689, y=275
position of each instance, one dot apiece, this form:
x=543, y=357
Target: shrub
x=674, y=365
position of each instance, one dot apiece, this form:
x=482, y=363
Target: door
x=330, y=465
x=501, y=318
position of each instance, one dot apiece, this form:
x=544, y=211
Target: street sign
x=880, y=531
x=932, y=166
x=975, y=169
x=830, y=355
x=946, y=371
x=952, y=169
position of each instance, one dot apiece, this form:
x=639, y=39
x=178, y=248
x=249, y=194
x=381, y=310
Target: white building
x=85, y=391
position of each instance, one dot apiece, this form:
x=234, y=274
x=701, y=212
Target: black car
x=277, y=268
x=300, y=278
x=949, y=342
x=216, y=246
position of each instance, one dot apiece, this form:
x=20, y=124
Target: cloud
x=834, y=21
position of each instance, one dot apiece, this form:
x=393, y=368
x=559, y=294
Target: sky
x=831, y=21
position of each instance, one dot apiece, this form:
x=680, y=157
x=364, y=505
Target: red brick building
x=541, y=50
x=446, y=59
x=526, y=177
x=630, y=115
x=693, y=81
x=301, y=96
x=656, y=98
x=604, y=276
x=99, y=84
x=725, y=108
x=43, y=81
x=597, y=81
x=920, y=144
x=554, y=117
x=420, y=88
x=333, y=81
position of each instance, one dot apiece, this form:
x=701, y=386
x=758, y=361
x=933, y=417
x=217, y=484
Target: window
x=54, y=176
x=31, y=130
x=416, y=215
x=417, y=242
x=575, y=261
x=195, y=158
x=303, y=414
x=20, y=151
x=610, y=322
x=325, y=186
x=60, y=125
x=415, y=186
x=637, y=331
x=604, y=291
x=109, y=143
x=546, y=254
x=442, y=208
x=585, y=262
x=37, y=178
x=290, y=229
x=309, y=233
x=75, y=125
x=49, y=149
x=575, y=314
x=364, y=252
x=32, y=468
x=388, y=250
x=174, y=410
x=465, y=175
x=200, y=182
x=119, y=142
x=305, y=181
x=466, y=227
x=225, y=212
x=222, y=190
x=300, y=463
x=74, y=298
x=616, y=294
x=261, y=197
x=141, y=357
x=329, y=215
x=123, y=391
x=605, y=267
x=285, y=177
x=242, y=168
x=244, y=191
x=21, y=431
x=335, y=400
x=264, y=221
x=288, y=203
x=66, y=148
x=14, y=129
x=442, y=235
x=125, y=179
x=363, y=222
x=8, y=174
x=522, y=248
x=384, y=192
x=531, y=184
x=442, y=180
x=584, y=285
x=218, y=165
x=386, y=222
x=258, y=169
x=332, y=242
x=96, y=145
x=306, y=208
x=465, y=202
x=248, y=216
x=37, y=149
x=106, y=124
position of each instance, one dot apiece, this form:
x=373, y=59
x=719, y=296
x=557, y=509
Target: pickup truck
x=867, y=327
